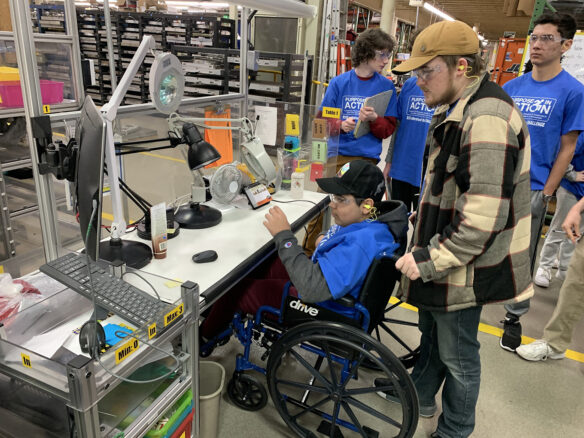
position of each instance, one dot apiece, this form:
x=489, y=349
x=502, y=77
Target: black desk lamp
x=200, y=154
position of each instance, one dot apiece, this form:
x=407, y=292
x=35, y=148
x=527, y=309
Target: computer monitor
x=90, y=137
x=91, y=140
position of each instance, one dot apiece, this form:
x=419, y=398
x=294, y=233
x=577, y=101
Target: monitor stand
x=134, y=254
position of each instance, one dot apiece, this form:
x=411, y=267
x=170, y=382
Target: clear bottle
x=297, y=182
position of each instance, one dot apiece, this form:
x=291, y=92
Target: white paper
x=267, y=125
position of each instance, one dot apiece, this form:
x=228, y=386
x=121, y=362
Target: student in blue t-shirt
x=370, y=54
x=557, y=244
x=406, y=150
x=365, y=228
x=551, y=101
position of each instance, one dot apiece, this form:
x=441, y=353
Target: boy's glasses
x=337, y=199
x=546, y=39
x=424, y=73
x=382, y=55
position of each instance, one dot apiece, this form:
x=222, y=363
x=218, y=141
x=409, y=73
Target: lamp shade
x=200, y=152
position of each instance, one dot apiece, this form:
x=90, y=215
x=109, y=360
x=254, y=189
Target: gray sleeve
x=389, y=155
x=570, y=173
x=306, y=276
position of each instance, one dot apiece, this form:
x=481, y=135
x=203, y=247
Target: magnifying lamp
x=166, y=90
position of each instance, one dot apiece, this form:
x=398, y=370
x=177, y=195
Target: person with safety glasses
x=470, y=245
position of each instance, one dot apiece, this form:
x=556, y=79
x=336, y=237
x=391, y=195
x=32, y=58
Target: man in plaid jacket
x=471, y=238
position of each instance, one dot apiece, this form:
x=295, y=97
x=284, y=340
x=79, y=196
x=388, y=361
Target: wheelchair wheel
x=320, y=387
x=406, y=350
x=247, y=392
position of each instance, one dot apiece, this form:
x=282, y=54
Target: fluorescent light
x=285, y=8
x=480, y=37
x=209, y=5
x=438, y=12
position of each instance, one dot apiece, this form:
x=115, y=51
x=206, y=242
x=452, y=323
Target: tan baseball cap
x=442, y=38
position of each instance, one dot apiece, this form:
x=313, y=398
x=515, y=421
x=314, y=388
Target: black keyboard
x=111, y=293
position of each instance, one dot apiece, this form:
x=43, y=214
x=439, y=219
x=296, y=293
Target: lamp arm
x=109, y=112
x=246, y=126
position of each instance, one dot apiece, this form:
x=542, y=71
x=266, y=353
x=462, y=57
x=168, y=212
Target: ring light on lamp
x=166, y=89
x=167, y=83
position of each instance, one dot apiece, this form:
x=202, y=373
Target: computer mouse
x=92, y=338
x=205, y=256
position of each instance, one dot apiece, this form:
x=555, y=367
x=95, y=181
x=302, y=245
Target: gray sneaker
x=388, y=393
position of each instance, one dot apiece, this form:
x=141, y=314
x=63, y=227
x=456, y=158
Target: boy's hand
x=348, y=124
x=571, y=224
x=276, y=221
x=407, y=266
x=367, y=114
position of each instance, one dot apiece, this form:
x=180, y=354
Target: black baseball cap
x=359, y=178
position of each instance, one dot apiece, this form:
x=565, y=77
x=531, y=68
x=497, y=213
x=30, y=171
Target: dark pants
x=449, y=354
x=406, y=193
x=262, y=287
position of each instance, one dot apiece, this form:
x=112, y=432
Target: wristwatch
x=547, y=198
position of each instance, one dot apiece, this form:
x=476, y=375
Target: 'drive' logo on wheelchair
x=300, y=306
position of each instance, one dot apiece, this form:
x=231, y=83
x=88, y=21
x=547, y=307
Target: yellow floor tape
x=495, y=331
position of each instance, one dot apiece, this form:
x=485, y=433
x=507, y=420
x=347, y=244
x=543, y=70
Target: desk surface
x=240, y=240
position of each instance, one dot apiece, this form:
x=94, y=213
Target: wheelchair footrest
x=325, y=428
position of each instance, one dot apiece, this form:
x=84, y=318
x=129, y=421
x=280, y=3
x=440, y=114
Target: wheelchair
x=323, y=365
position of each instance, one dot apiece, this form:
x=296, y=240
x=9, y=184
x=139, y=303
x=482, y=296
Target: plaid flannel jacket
x=471, y=239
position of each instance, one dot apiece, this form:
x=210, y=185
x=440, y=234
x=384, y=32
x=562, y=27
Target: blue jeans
x=450, y=355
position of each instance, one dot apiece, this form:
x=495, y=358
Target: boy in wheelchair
x=365, y=227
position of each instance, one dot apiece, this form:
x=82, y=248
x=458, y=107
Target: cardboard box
x=144, y=5
x=5, y=22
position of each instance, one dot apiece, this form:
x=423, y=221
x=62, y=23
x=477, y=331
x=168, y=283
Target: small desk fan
x=228, y=181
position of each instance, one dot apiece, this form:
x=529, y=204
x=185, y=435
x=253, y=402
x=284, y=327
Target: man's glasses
x=546, y=39
x=382, y=55
x=337, y=199
x=424, y=73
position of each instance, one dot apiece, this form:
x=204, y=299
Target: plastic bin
x=173, y=418
x=11, y=94
x=184, y=429
x=8, y=74
x=211, y=378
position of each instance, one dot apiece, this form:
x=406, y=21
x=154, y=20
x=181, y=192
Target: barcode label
x=162, y=246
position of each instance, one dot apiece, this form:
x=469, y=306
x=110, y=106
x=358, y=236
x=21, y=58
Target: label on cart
x=331, y=113
x=319, y=128
x=126, y=350
x=47, y=109
x=292, y=124
x=174, y=314
x=26, y=360
x=151, y=331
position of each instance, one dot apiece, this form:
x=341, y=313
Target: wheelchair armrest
x=347, y=301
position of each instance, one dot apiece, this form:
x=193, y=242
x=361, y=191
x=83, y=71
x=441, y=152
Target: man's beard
x=447, y=98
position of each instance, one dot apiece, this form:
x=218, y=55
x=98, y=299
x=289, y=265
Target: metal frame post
x=33, y=106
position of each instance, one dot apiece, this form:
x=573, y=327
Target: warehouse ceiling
x=487, y=15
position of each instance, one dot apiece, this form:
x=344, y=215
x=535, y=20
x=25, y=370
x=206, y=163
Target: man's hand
x=571, y=224
x=348, y=124
x=386, y=170
x=579, y=176
x=276, y=221
x=367, y=114
x=412, y=217
x=407, y=266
